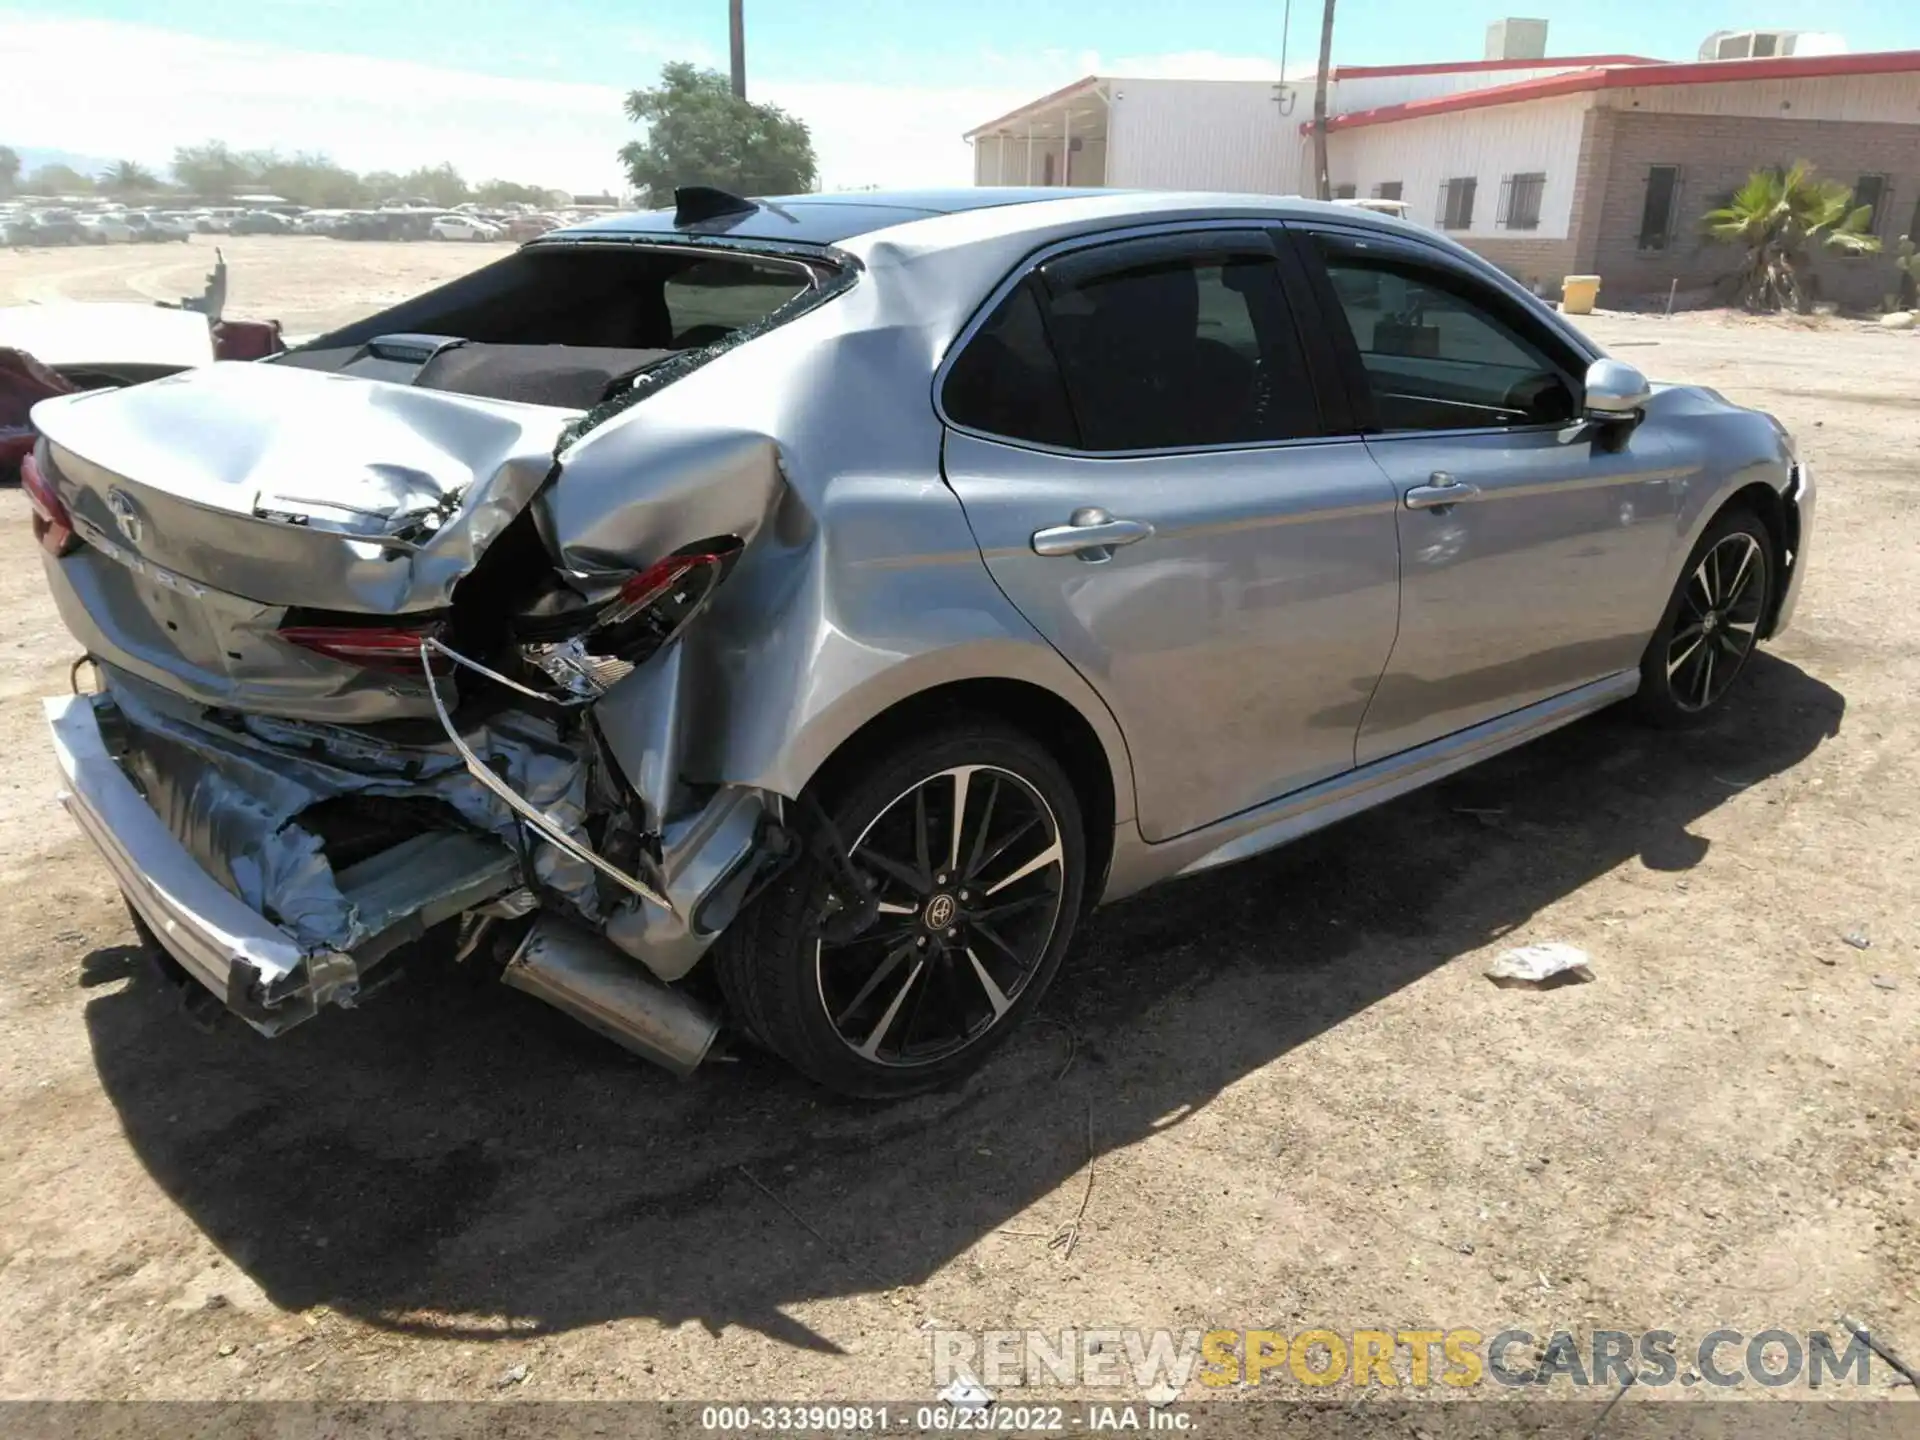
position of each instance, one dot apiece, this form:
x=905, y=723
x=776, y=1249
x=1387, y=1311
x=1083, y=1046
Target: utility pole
x=1323, y=187
x=737, y=43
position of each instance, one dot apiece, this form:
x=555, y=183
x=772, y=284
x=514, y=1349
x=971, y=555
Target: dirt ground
x=310, y=284
x=1307, y=1106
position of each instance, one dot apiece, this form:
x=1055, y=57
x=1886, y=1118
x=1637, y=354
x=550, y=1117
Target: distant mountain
x=32, y=157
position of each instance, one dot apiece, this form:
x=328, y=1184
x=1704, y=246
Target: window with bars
x=1660, y=206
x=1456, y=203
x=1870, y=191
x=1520, y=197
x=1387, y=190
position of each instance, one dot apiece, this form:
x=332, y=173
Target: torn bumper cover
x=209, y=822
x=261, y=971
x=205, y=825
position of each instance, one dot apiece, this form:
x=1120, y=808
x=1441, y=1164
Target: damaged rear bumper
x=224, y=881
x=258, y=969
x=344, y=922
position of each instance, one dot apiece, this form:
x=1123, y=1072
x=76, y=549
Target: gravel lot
x=1307, y=1106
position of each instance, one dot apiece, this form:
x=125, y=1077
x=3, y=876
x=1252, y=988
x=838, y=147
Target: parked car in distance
x=259, y=222
x=56, y=227
x=148, y=229
x=530, y=227
x=108, y=229
x=463, y=227
x=164, y=225
x=732, y=594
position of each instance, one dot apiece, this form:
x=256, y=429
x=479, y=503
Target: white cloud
x=121, y=89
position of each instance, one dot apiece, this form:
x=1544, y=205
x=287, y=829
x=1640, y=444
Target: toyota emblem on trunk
x=126, y=516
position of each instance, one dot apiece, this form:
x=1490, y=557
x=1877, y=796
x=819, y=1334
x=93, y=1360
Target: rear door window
x=1180, y=341
x=1006, y=382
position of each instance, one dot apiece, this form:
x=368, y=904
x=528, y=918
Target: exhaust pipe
x=606, y=990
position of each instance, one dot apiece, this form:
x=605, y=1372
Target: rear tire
x=1712, y=622
x=970, y=929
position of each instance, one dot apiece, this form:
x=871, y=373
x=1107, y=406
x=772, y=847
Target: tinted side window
x=1006, y=382
x=1163, y=349
x=1437, y=357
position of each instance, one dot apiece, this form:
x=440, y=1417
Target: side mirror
x=1615, y=391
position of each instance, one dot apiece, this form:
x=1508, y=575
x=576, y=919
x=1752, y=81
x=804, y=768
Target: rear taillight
x=662, y=580
x=52, y=524
x=394, y=649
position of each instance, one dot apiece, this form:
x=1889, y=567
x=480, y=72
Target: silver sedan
x=843, y=594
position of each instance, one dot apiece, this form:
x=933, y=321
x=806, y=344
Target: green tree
x=381, y=186
x=59, y=180
x=9, y=169
x=700, y=133
x=508, y=192
x=307, y=179
x=128, y=177
x=1780, y=218
x=212, y=171
x=439, y=183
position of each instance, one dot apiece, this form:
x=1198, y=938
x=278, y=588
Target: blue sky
x=530, y=89
x=855, y=39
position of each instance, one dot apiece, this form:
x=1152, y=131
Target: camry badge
x=126, y=516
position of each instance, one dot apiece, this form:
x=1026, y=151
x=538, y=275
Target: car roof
x=829, y=219
x=823, y=219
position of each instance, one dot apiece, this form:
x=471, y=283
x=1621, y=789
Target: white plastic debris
x=1550, y=963
x=966, y=1393
x=1899, y=320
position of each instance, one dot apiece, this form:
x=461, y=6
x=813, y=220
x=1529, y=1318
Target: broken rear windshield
x=605, y=296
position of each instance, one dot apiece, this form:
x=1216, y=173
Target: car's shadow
x=459, y=1151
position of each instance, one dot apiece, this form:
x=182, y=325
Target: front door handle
x=1091, y=533
x=1439, y=492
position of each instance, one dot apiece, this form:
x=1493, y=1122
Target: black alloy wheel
x=966, y=849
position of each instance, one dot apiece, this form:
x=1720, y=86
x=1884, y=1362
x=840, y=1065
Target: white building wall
x=1201, y=135
x=1370, y=92
x=1089, y=164
x=1489, y=144
x=1891, y=99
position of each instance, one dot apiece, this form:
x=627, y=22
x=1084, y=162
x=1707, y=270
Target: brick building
x=1607, y=169
x=1547, y=166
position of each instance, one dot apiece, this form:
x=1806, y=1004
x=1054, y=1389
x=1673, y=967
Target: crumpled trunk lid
x=289, y=487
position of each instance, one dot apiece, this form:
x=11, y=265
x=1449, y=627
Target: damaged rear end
x=355, y=618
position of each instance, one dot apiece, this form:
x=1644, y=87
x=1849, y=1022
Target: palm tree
x=1781, y=218
x=128, y=177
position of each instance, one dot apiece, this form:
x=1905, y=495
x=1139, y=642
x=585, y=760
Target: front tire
x=972, y=919
x=1712, y=622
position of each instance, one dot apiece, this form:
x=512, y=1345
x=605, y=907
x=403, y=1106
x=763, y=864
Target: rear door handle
x=1091, y=533
x=1441, y=491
